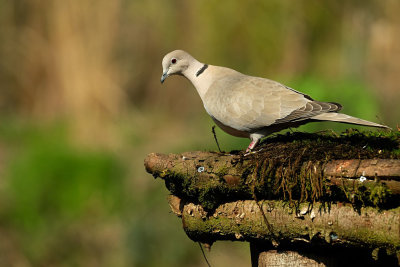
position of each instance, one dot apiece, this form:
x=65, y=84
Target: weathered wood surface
x=380, y=168
x=273, y=258
x=289, y=195
x=244, y=221
x=188, y=163
x=209, y=176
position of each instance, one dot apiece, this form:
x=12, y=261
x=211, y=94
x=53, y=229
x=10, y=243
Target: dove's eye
x=173, y=61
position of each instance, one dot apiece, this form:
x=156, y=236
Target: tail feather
x=340, y=117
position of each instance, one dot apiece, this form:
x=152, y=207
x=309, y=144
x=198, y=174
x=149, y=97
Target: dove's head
x=175, y=63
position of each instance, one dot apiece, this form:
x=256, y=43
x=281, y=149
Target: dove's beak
x=164, y=76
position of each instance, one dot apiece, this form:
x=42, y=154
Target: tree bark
x=308, y=238
x=275, y=258
x=295, y=209
x=214, y=178
x=244, y=221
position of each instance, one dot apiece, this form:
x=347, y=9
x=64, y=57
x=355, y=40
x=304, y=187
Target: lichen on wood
x=337, y=224
x=297, y=168
x=325, y=190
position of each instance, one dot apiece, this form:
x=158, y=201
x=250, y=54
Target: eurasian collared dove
x=253, y=107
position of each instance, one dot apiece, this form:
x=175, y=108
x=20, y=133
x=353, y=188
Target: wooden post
x=294, y=210
x=274, y=258
x=318, y=237
x=267, y=256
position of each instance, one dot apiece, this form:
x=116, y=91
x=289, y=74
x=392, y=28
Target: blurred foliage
x=55, y=195
x=81, y=105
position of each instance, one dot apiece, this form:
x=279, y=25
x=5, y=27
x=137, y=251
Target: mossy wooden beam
x=300, y=192
x=211, y=178
x=336, y=225
x=328, y=194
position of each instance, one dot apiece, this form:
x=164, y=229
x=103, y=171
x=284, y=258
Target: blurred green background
x=81, y=105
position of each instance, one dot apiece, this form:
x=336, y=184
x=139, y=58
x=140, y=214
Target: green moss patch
x=288, y=167
x=279, y=173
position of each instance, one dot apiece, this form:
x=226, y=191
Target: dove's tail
x=340, y=117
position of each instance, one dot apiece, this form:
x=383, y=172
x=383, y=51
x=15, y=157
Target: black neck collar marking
x=201, y=70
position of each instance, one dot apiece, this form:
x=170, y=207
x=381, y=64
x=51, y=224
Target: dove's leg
x=255, y=138
x=253, y=143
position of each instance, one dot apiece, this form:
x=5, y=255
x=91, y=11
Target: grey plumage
x=253, y=107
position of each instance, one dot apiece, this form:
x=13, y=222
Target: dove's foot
x=250, y=147
x=252, y=144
